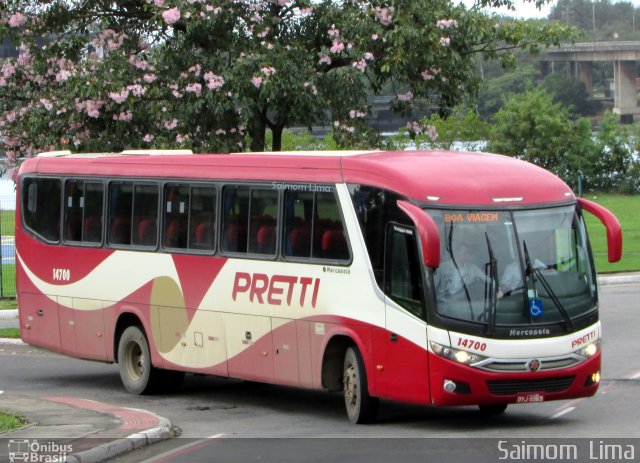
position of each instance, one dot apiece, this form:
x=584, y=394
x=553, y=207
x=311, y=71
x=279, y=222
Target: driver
x=454, y=275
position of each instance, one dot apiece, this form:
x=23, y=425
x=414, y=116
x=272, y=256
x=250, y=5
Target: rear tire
x=361, y=407
x=492, y=410
x=138, y=375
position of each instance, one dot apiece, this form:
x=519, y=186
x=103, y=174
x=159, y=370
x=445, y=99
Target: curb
x=8, y=314
x=109, y=450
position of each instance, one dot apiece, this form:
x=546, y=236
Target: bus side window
x=403, y=279
x=202, y=216
x=176, y=216
x=93, y=205
x=145, y=215
x=313, y=226
x=120, y=210
x=41, y=206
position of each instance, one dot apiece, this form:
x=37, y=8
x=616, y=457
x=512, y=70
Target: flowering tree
x=214, y=75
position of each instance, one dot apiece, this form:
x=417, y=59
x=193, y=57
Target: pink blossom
x=119, y=97
x=17, y=20
x=148, y=138
x=354, y=114
x=337, y=47
x=432, y=132
x=170, y=125
x=221, y=132
x=257, y=81
x=194, y=88
x=333, y=32
x=361, y=65
x=149, y=78
x=137, y=90
x=159, y=3
x=374, y=36
x=214, y=82
x=196, y=69
x=46, y=103
x=123, y=116
x=446, y=23
x=426, y=75
x=444, y=41
x=179, y=138
x=264, y=33
x=405, y=96
x=325, y=59
x=171, y=16
x=368, y=56
x=267, y=71
x=283, y=2
x=307, y=10
x=384, y=15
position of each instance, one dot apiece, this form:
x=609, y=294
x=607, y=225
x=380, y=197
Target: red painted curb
x=132, y=419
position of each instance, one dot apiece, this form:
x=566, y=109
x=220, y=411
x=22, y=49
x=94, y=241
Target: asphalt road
x=221, y=409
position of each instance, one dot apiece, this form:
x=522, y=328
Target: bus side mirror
x=611, y=224
x=428, y=232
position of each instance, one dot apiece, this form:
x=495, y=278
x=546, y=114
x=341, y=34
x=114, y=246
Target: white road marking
x=563, y=412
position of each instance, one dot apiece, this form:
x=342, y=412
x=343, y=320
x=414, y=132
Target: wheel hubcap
x=136, y=361
x=350, y=386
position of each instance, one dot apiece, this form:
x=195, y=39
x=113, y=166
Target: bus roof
x=436, y=177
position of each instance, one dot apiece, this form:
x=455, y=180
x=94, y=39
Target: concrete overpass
x=623, y=55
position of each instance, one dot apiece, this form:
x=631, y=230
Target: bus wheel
x=136, y=371
x=361, y=407
x=490, y=410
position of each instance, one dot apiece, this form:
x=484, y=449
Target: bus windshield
x=505, y=268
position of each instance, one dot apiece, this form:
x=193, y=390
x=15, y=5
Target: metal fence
x=7, y=247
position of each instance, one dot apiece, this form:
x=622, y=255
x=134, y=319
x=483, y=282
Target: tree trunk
x=277, y=137
x=258, y=131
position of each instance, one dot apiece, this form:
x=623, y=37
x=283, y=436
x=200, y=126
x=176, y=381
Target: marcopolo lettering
x=277, y=289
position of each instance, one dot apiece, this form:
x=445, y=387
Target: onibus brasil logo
x=33, y=451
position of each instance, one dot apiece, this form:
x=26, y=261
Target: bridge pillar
x=585, y=75
x=625, y=101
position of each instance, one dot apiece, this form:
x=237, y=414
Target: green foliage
x=215, y=76
x=616, y=168
x=570, y=93
x=462, y=126
x=9, y=421
x=531, y=127
x=495, y=92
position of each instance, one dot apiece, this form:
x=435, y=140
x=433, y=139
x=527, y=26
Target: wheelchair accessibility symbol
x=535, y=308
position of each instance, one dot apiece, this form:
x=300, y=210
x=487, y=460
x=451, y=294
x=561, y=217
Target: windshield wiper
x=537, y=272
x=455, y=264
x=493, y=288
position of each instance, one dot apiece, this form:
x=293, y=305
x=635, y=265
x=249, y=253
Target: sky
x=527, y=10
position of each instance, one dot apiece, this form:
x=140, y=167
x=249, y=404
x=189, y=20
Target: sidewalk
x=78, y=430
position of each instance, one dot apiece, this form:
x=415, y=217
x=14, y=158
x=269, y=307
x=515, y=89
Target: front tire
x=138, y=375
x=361, y=407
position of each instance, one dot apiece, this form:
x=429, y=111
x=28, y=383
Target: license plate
x=530, y=398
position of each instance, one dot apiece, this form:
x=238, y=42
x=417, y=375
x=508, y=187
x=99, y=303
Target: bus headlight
x=589, y=350
x=457, y=355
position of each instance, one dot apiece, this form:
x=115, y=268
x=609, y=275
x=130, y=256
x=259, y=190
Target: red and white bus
x=436, y=278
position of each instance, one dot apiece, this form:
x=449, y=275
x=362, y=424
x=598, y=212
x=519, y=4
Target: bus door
x=401, y=366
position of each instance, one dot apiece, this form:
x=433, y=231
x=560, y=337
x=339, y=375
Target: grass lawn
x=8, y=281
x=8, y=304
x=627, y=210
x=10, y=333
x=7, y=223
x=9, y=421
